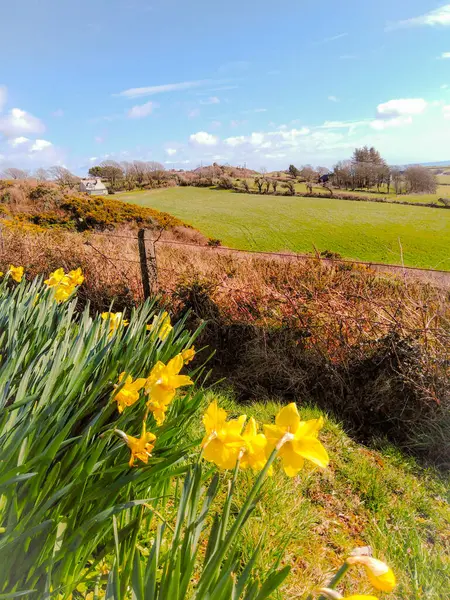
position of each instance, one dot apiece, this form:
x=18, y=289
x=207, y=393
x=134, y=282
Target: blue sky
x=258, y=82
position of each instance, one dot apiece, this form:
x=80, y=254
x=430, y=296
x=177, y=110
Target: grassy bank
x=385, y=233
x=365, y=497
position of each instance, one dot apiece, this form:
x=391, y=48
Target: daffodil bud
x=379, y=574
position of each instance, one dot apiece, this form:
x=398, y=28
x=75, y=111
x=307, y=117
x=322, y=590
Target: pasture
x=387, y=233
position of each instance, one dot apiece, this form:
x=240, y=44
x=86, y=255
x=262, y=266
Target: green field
x=356, y=230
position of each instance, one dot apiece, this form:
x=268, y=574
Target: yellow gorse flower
x=296, y=440
x=161, y=324
x=254, y=449
x=16, y=273
x=162, y=384
x=115, y=321
x=379, y=574
x=140, y=447
x=188, y=355
x=129, y=393
x=223, y=441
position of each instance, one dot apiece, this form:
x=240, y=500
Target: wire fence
x=146, y=256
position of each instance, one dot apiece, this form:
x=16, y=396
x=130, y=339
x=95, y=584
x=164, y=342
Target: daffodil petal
x=288, y=418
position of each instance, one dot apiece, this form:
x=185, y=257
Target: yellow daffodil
x=296, y=440
x=334, y=595
x=223, y=441
x=76, y=277
x=379, y=574
x=64, y=285
x=55, y=278
x=162, y=325
x=254, y=451
x=162, y=384
x=16, y=273
x=129, y=393
x=188, y=355
x=140, y=447
x=1, y=273
x=115, y=321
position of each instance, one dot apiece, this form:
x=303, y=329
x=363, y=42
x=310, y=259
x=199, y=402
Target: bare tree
x=112, y=171
x=420, y=179
x=397, y=179
x=259, y=182
x=13, y=173
x=274, y=185
x=41, y=174
x=63, y=176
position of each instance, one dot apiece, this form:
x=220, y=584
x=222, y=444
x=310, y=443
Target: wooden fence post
x=149, y=271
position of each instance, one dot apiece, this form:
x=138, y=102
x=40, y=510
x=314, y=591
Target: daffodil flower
x=64, y=285
x=116, y=320
x=223, y=441
x=140, y=447
x=334, y=595
x=162, y=384
x=76, y=277
x=16, y=273
x=296, y=440
x=162, y=325
x=379, y=574
x=188, y=355
x=129, y=393
x=254, y=450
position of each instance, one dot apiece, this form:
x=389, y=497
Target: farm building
x=95, y=187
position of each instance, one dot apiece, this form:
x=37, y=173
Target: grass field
x=356, y=230
x=365, y=497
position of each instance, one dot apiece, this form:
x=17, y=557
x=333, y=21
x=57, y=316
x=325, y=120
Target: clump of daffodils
x=291, y=439
x=64, y=284
x=15, y=273
x=115, y=320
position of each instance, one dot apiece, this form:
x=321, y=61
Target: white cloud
x=237, y=123
x=401, y=106
x=446, y=111
x=380, y=124
x=444, y=55
x=141, y=110
x=235, y=141
x=40, y=145
x=93, y=158
x=171, y=151
x=211, y=100
x=160, y=89
x=333, y=38
x=439, y=16
x=3, y=96
x=348, y=57
x=203, y=138
x=444, y=86
x=14, y=142
x=18, y=122
x=333, y=98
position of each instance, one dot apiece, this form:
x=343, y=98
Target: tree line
x=367, y=170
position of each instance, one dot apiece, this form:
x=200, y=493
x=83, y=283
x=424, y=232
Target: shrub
x=214, y=242
x=225, y=182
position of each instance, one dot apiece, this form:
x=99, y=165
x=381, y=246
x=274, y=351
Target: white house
x=94, y=187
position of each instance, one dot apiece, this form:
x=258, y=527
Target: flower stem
x=336, y=579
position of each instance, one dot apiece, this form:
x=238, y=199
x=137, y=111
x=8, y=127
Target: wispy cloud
x=333, y=98
x=151, y=90
x=333, y=38
x=444, y=55
x=438, y=17
x=211, y=100
x=348, y=57
x=142, y=110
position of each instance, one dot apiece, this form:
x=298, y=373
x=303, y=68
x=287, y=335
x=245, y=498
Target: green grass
x=356, y=230
x=365, y=497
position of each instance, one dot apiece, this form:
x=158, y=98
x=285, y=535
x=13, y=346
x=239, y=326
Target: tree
x=397, y=179
x=13, y=173
x=275, y=185
x=112, y=171
x=259, y=182
x=420, y=179
x=289, y=187
x=63, y=176
x=41, y=174
x=96, y=171
x=293, y=171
